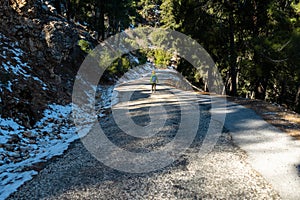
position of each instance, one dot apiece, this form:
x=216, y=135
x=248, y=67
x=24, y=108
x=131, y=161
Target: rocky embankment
x=39, y=56
x=44, y=48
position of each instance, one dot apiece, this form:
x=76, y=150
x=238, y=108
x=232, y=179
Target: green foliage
x=147, y=10
x=169, y=9
x=85, y=46
x=160, y=57
x=107, y=17
x=255, y=44
x=191, y=73
x=141, y=55
x=119, y=66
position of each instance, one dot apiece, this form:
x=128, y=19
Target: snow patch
x=14, y=65
x=21, y=150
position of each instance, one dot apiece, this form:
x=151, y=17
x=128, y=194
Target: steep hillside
x=39, y=58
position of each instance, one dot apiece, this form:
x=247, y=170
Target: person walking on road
x=153, y=81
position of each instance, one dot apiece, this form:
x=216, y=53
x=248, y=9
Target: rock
x=31, y=45
x=37, y=166
x=45, y=133
x=16, y=160
x=14, y=139
x=28, y=134
x=50, y=120
x=40, y=57
x=48, y=41
x=24, y=150
x=15, y=154
x=9, y=147
x=45, y=8
x=32, y=142
x=4, y=128
x=17, y=5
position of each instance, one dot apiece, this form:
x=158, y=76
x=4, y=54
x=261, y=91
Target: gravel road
x=224, y=173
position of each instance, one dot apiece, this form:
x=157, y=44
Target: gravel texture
x=222, y=174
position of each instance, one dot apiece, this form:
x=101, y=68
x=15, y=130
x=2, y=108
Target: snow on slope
x=22, y=150
x=11, y=63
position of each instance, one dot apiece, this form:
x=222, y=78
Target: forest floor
x=284, y=119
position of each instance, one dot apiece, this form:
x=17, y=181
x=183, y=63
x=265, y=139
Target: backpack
x=153, y=79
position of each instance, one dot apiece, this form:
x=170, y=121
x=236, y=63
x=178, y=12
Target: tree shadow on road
x=79, y=170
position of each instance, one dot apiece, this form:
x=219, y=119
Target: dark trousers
x=153, y=87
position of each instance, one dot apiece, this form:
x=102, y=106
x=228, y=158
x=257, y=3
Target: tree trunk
x=69, y=11
x=57, y=6
x=260, y=89
x=233, y=56
x=101, y=20
x=282, y=92
x=297, y=100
